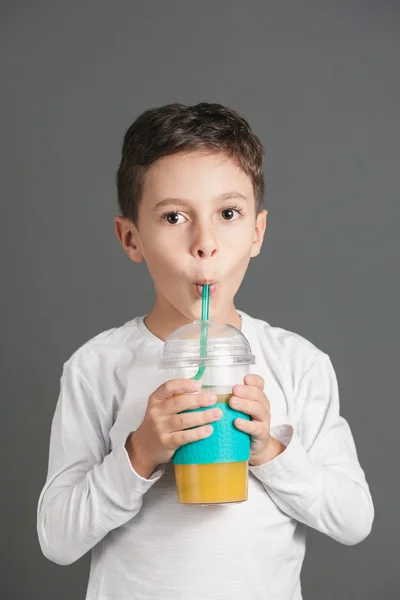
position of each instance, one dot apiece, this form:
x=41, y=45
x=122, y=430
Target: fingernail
x=211, y=398
x=216, y=413
x=234, y=402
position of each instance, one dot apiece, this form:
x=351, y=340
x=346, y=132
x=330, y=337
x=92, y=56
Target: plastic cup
x=213, y=470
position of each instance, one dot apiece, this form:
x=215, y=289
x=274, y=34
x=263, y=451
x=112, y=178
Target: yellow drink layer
x=212, y=483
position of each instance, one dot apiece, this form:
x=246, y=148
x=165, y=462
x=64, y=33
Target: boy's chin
x=195, y=315
x=192, y=313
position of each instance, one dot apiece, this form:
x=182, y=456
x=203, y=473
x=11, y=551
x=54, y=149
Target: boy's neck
x=163, y=320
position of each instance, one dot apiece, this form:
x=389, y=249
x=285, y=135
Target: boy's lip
x=199, y=287
x=204, y=282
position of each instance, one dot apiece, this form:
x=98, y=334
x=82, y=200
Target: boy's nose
x=206, y=253
x=205, y=245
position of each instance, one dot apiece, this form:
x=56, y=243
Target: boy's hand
x=251, y=400
x=163, y=429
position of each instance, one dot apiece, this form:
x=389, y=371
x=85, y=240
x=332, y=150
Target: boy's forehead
x=191, y=173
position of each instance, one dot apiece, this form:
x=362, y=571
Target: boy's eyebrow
x=182, y=202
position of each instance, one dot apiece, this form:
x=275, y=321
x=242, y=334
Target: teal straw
x=205, y=309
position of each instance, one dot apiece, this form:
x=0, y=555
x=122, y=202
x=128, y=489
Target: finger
x=181, y=438
x=257, y=429
x=255, y=380
x=193, y=419
x=253, y=408
x=176, y=386
x=182, y=402
x=250, y=392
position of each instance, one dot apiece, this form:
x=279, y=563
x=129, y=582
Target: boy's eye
x=173, y=218
x=230, y=214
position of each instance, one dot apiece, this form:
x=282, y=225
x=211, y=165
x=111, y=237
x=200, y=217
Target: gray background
x=319, y=83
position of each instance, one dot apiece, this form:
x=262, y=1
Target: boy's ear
x=128, y=237
x=261, y=225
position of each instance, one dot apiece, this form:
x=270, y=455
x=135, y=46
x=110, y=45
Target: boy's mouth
x=199, y=287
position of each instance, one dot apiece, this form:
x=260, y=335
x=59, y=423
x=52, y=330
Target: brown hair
x=174, y=128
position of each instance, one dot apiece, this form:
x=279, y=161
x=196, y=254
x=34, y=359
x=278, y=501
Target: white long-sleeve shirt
x=145, y=545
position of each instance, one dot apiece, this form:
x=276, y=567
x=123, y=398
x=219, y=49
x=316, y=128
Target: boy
x=190, y=191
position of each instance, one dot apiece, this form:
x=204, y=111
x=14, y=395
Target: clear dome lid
x=226, y=345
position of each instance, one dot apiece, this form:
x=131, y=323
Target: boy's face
x=197, y=224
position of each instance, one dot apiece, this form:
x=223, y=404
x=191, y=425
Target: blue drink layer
x=225, y=444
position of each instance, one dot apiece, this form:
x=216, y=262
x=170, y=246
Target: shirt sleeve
x=317, y=479
x=89, y=490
